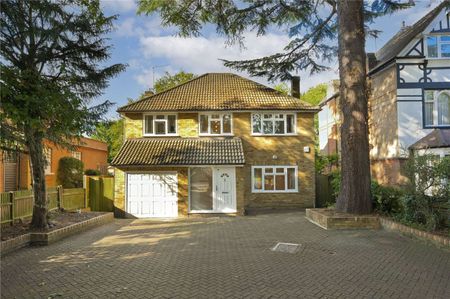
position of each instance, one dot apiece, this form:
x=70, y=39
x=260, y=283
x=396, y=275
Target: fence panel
x=324, y=192
x=23, y=204
x=6, y=204
x=100, y=190
x=73, y=199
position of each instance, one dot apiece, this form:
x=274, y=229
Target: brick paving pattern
x=227, y=258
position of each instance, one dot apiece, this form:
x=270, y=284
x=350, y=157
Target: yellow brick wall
x=188, y=124
x=133, y=125
x=119, y=187
x=259, y=150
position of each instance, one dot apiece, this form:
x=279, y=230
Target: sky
x=150, y=49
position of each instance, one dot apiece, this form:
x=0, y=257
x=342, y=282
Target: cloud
x=119, y=6
x=129, y=28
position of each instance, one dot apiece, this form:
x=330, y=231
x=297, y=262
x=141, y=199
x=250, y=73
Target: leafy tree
x=53, y=63
x=314, y=25
x=315, y=94
x=283, y=88
x=110, y=132
x=168, y=81
x=70, y=172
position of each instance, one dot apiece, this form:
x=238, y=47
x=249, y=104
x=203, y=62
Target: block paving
x=227, y=257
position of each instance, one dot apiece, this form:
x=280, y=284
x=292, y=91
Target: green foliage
x=70, y=173
x=283, y=88
x=325, y=164
x=312, y=27
x=168, y=81
x=315, y=94
x=91, y=172
x=110, y=132
x=386, y=199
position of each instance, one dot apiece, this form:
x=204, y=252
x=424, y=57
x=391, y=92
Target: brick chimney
x=295, y=86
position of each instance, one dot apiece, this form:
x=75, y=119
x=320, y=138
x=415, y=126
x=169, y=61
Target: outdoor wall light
x=306, y=149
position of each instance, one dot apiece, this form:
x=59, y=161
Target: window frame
x=208, y=114
x=438, y=45
x=285, y=173
x=435, y=112
x=75, y=154
x=165, y=114
x=48, y=153
x=273, y=119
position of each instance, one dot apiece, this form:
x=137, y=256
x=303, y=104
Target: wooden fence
x=324, y=191
x=17, y=205
x=100, y=192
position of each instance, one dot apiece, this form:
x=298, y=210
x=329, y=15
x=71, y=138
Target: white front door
x=225, y=190
x=152, y=195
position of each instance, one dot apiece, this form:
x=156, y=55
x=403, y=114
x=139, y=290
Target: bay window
x=160, y=124
x=437, y=108
x=215, y=124
x=273, y=123
x=438, y=46
x=274, y=179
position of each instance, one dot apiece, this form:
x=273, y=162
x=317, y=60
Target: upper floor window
x=76, y=155
x=437, y=107
x=438, y=46
x=160, y=124
x=215, y=124
x=273, y=123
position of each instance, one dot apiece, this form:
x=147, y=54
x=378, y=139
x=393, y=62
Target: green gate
x=100, y=193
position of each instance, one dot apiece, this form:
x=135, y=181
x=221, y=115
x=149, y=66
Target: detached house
x=219, y=143
x=409, y=105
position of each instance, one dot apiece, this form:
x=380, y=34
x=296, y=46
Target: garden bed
x=330, y=219
x=62, y=224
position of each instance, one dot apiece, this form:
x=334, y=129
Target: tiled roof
x=180, y=151
x=437, y=138
x=400, y=40
x=218, y=91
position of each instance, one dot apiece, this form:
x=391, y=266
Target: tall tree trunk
x=355, y=167
x=36, y=149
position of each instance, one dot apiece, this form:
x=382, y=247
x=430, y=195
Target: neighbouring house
x=15, y=172
x=219, y=143
x=409, y=103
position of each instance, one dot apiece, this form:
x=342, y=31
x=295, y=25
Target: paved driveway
x=227, y=258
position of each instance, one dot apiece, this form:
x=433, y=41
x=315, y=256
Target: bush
x=91, y=172
x=70, y=172
x=419, y=210
x=386, y=199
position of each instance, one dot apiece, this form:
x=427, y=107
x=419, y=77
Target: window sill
x=274, y=135
x=161, y=135
x=213, y=135
x=277, y=191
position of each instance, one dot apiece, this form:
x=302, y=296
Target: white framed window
x=274, y=179
x=438, y=46
x=48, y=160
x=215, y=124
x=437, y=108
x=76, y=155
x=160, y=124
x=274, y=123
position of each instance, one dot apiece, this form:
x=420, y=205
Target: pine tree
x=53, y=65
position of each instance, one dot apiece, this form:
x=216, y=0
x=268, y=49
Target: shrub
x=70, y=172
x=91, y=172
x=386, y=199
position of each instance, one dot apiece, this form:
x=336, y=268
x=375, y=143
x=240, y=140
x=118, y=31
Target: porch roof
x=436, y=139
x=180, y=152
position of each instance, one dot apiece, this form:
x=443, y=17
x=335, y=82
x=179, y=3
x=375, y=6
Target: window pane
x=226, y=123
x=215, y=116
x=267, y=116
x=203, y=123
x=432, y=46
x=269, y=170
x=279, y=127
x=256, y=120
x=160, y=127
x=280, y=170
x=172, y=124
x=428, y=113
x=280, y=183
x=160, y=117
x=289, y=123
x=291, y=178
x=148, y=124
x=445, y=50
x=267, y=127
x=201, y=189
x=268, y=182
x=215, y=126
x=429, y=95
x=257, y=179
x=444, y=109
x=445, y=38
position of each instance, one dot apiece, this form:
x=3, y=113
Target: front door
x=225, y=190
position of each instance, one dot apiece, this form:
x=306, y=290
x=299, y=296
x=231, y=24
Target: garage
x=152, y=194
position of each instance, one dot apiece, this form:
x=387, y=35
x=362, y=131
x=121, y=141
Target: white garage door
x=152, y=195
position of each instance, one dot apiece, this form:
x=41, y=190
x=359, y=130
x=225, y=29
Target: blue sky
x=141, y=42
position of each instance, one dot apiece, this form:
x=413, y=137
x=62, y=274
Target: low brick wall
x=15, y=243
x=390, y=225
x=47, y=238
x=329, y=219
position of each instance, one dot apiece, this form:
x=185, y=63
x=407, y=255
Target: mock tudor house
x=219, y=143
x=409, y=105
